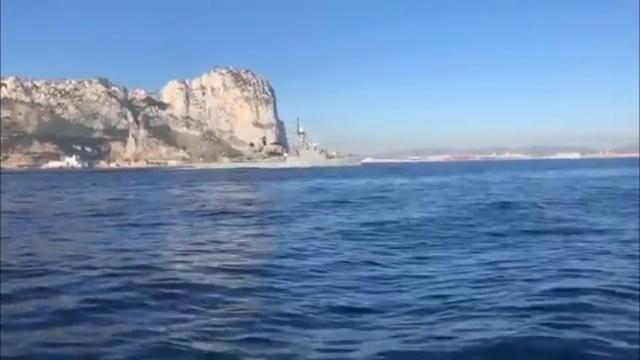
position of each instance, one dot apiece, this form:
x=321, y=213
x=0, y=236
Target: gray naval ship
x=305, y=153
x=308, y=153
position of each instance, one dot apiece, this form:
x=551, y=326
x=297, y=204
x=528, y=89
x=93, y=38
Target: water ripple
x=527, y=260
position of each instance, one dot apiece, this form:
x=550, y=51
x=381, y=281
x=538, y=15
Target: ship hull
x=291, y=162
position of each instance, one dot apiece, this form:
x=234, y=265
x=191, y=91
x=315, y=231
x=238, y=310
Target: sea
x=459, y=260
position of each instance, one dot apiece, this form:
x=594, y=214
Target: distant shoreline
x=471, y=158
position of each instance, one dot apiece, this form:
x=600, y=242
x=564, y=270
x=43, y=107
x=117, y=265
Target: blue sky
x=366, y=75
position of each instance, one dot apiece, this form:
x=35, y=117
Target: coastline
x=300, y=165
x=338, y=162
x=489, y=158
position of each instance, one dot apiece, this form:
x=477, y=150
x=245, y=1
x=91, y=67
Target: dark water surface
x=497, y=260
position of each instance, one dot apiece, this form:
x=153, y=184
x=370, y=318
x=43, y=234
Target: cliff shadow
x=280, y=127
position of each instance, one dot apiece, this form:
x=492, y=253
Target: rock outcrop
x=94, y=103
x=237, y=105
x=223, y=113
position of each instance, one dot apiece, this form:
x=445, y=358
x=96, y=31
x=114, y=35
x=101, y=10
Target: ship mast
x=299, y=129
x=301, y=135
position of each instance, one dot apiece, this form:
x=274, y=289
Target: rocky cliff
x=222, y=113
x=237, y=105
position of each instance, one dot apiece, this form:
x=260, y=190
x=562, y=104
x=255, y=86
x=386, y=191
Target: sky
x=366, y=75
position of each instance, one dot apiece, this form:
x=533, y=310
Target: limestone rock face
x=222, y=113
x=95, y=103
x=81, y=117
x=238, y=105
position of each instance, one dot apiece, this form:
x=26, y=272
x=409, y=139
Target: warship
x=304, y=153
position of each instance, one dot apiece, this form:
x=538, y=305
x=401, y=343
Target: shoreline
x=497, y=159
x=338, y=162
x=284, y=165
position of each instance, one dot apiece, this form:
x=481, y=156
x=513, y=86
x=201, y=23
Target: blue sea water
x=477, y=260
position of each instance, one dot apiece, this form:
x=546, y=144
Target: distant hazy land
x=505, y=153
